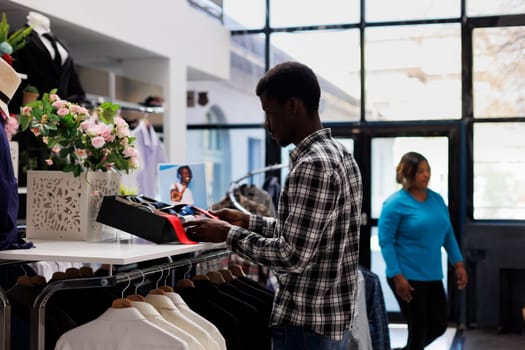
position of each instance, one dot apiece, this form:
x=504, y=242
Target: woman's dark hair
x=179, y=170
x=407, y=168
x=291, y=79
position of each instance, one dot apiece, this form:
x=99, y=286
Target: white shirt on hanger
x=157, y=319
x=169, y=311
x=124, y=328
x=198, y=319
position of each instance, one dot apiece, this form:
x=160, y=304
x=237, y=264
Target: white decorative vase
x=61, y=206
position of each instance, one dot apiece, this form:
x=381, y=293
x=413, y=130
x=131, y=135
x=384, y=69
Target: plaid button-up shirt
x=312, y=246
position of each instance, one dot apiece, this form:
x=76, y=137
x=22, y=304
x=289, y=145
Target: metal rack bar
x=38, y=311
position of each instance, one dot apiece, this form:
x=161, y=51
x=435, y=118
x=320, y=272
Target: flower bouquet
x=78, y=141
x=62, y=204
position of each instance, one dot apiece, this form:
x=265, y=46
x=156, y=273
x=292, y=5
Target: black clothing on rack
x=21, y=299
x=225, y=321
x=251, y=320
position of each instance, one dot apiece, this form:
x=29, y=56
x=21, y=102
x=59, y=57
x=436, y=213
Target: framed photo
x=183, y=184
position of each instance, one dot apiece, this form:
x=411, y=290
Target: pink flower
x=45, y=139
x=49, y=161
x=54, y=97
x=133, y=163
x=98, y=142
x=85, y=125
x=59, y=104
x=63, y=111
x=26, y=110
x=36, y=131
x=56, y=149
x=80, y=153
x=130, y=151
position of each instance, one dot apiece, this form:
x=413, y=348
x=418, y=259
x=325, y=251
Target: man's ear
x=295, y=105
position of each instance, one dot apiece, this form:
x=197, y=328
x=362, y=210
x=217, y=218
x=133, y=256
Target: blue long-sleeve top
x=411, y=234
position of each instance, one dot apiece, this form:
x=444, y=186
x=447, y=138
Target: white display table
x=125, y=252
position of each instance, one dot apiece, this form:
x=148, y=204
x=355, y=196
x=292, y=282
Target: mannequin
x=42, y=25
x=39, y=22
x=37, y=60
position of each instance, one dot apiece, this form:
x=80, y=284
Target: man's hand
x=234, y=217
x=207, y=230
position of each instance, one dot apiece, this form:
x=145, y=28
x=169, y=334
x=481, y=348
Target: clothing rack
x=249, y=174
x=38, y=310
x=5, y=320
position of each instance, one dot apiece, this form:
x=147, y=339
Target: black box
x=139, y=222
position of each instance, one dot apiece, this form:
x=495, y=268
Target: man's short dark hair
x=291, y=79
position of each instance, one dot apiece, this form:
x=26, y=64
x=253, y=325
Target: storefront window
x=307, y=13
x=491, y=7
x=499, y=70
x=380, y=10
x=334, y=57
x=242, y=14
x=413, y=72
x=499, y=165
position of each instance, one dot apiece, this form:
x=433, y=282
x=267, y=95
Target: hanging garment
x=376, y=311
x=251, y=321
x=119, y=328
x=225, y=320
x=273, y=187
x=21, y=298
x=360, y=335
x=9, y=197
x=206, y=325
x=257, y=272
x=157, y=319
x=260, y=196
x=169, y=311
x=151, y=152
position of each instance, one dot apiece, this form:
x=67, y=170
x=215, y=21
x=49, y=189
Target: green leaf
x=24, y=121
x=107, y=111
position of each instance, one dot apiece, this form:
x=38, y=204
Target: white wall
x=172, y=29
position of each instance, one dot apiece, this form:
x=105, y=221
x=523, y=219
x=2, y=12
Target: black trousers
x=426, y=314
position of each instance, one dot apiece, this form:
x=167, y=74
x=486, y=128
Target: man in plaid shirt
x=312, y=245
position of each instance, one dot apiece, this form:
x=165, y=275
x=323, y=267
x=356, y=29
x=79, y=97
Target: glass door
x=378, y=149
x=385, y=155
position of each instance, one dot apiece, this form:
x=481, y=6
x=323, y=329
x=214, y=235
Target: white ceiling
x=87, y=47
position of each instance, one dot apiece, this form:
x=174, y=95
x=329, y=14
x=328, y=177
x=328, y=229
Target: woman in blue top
x=413, y=226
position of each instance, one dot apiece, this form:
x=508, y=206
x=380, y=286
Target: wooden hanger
x=121, y=303
x=200, y=278
x=86, y=271
x=58, y=276
x=24, y=281
x=168, y=289
x=216, y=277
x=38, y=281
x=72, y=272
x=227, y=275
x=157, y=291
x=184, y=283
x=135, y=297
x=237, y=270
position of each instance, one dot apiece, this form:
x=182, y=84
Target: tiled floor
x=398, y=336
